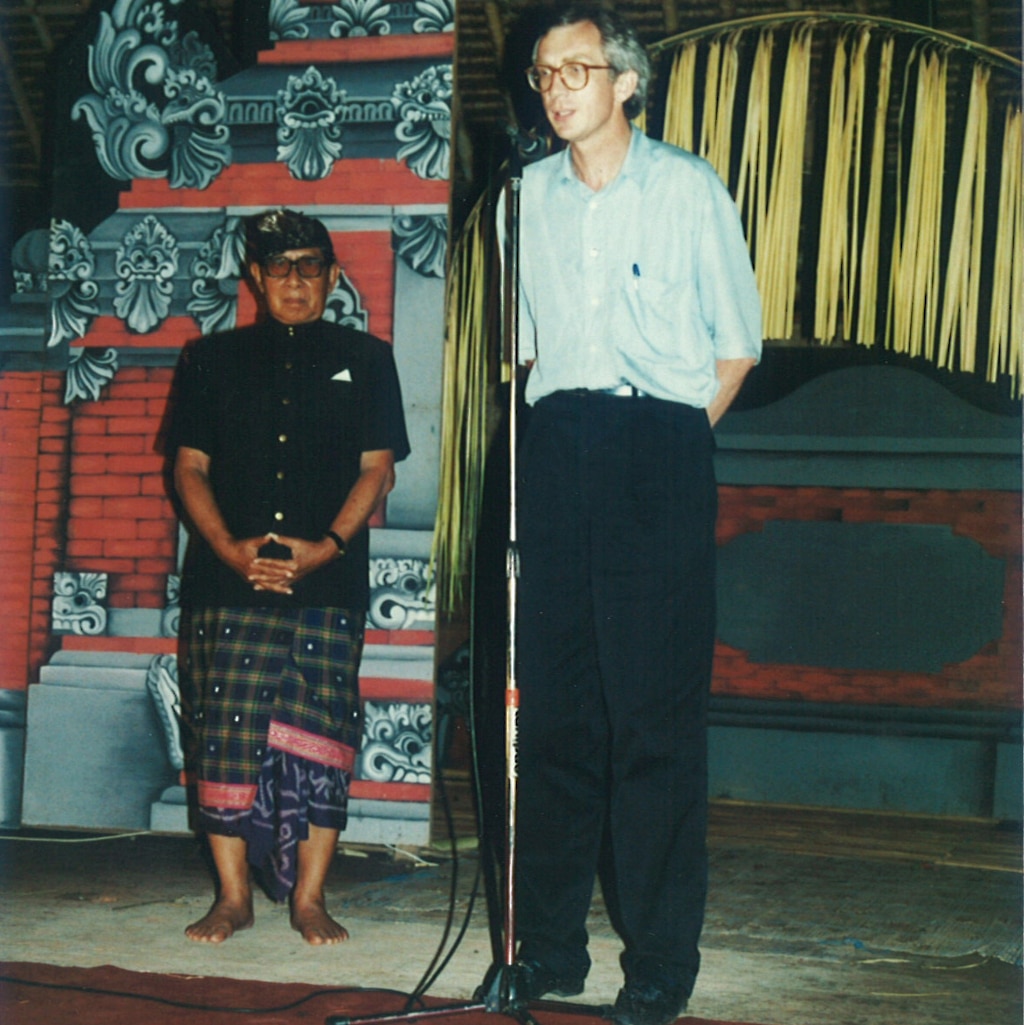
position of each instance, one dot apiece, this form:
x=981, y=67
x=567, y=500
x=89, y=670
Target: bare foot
x=315, y=925
x=221, y=922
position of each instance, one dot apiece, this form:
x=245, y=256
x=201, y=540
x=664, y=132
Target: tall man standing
x=286, y=436
x=640, y=318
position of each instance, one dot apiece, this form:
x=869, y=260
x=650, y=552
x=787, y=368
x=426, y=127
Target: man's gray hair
x=622, y=49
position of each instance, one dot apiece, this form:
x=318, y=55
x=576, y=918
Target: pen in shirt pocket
x=636, y=277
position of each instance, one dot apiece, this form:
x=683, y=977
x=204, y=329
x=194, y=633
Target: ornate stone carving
x=401, y=596
x=215, y=272
x=344, y=305
x=360, y=18
x=170, y=621
x=421, y=240
x=155, y=112
x=88, y=371
x=287, y=20
x=162, y=684
x=78, y=603
x=425, y=121
x=396, y=742
x=309, y=128
x=73, y=292
x=436, y=16
x=146, y=264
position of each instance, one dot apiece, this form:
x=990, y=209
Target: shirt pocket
x=663, y=313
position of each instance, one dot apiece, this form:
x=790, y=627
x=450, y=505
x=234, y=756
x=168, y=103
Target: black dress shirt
x=285, y=413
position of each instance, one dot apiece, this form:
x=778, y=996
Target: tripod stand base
x=498, y=994
x=407, y=1015
x=500, y=991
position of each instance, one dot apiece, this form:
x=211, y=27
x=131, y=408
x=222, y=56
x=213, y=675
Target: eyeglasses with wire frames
x=307, y=266
x=574, y=75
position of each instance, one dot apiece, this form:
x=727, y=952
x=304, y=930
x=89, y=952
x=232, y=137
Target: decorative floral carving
x=345, y=307
x=360, y=18
x=73, y=292
x=215, y=273
x=162, y=684
x=422, y=240
x=89, y=370
x=287, y=20
x=155, y=112
x=437, y=16
x=78, y=603
x=309, y=127
x=396, y=742
x=425, y=121
x=146, y=264
x=401, y=597
x=170, y=621
x=195, y=114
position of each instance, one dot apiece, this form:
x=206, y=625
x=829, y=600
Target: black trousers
x=616, y=511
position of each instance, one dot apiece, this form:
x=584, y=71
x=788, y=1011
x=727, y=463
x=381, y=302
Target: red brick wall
x=20, y=411
x=33, y=472
x=369, y=263
x=990, y=679
x=51, y=517
x=121, y=521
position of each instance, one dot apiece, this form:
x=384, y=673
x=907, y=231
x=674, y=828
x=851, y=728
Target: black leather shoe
x=526, y=980
x=639, y=1004
x=534, y=980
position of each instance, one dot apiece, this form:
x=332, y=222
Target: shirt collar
x=299, y=332
x=632, y=166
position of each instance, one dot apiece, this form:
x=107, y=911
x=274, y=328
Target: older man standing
x=286, y=436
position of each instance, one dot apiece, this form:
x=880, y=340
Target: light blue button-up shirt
x=647, y=282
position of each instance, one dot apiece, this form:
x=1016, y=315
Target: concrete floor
x=814, y=918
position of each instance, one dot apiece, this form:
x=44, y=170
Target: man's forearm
x=193, y=486
x=375, y=481
x=373, y=485
x=731, y=374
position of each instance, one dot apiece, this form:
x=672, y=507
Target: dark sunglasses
x=307, y=266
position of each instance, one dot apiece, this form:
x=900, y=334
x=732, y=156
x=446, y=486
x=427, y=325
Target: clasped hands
x=277, y=574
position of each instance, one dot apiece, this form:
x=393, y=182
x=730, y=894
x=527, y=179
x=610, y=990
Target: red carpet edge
x=40, y=994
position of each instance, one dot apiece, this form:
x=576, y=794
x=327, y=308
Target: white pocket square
x=343, y=375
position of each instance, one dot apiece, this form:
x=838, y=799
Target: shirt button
x=282, y=438
x=280, y=474
x=279, y=516
x=286, y=401
x=288, y=365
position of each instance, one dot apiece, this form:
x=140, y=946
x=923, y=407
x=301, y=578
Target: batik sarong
x=275, y=727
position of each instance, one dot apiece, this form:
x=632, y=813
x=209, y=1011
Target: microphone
x=526, y=146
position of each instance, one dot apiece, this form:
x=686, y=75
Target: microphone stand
x=497, y=994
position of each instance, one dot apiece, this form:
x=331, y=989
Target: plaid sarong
x=275, y=725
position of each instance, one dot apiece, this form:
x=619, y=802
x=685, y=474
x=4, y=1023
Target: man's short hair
x=622, y=49
x=276, y=231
